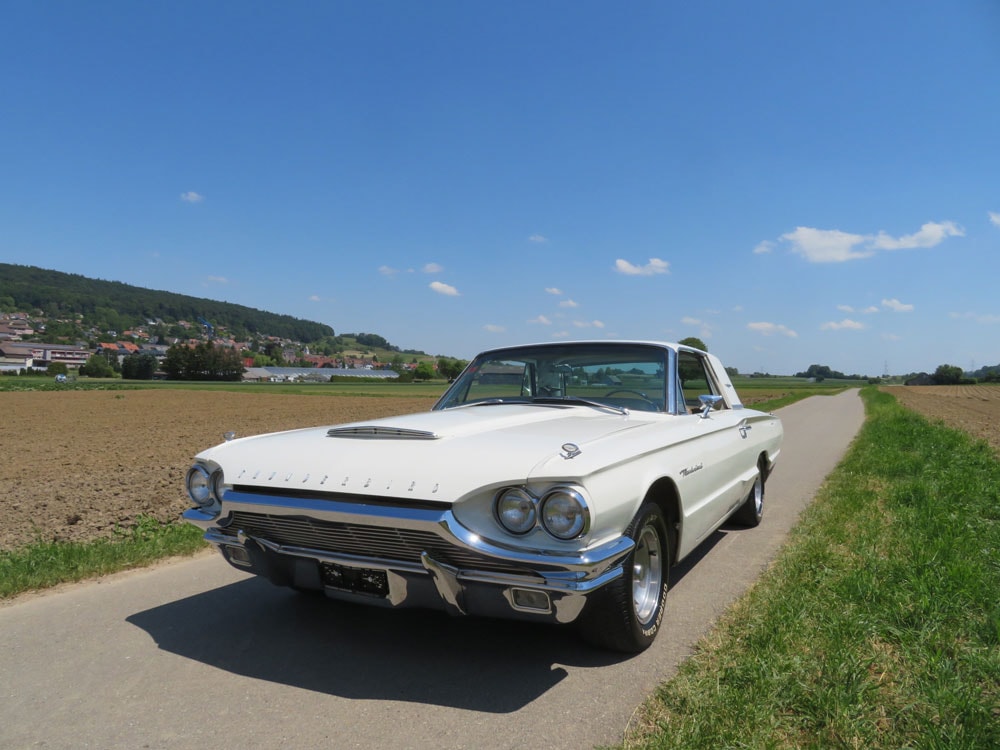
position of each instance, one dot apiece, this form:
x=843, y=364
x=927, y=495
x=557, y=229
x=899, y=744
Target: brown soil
x=972, y=408
x=79, y=464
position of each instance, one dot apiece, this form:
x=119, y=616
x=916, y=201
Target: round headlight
x=516, y=511
x=201, y=485
x=564, y=513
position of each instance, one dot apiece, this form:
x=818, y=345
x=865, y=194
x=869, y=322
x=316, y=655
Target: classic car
x=552, y=482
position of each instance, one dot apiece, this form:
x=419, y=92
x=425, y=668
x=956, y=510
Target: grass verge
x=879, y=624
x=46, y=564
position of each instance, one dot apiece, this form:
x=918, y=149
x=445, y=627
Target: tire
x=752, y=510
x=626, y=614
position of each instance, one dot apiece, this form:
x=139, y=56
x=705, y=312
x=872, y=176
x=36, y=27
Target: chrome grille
x=379, y=542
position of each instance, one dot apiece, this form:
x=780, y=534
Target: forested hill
x=58, y=294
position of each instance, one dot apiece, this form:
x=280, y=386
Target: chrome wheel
x=758, y=495
x=647, y=574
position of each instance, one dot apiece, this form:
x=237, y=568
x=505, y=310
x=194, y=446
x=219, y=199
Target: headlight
x=564, y=513
x=516, y=511
x=205, y=488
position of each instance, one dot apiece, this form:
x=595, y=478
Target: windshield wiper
x=578, y=400
x=488, y=402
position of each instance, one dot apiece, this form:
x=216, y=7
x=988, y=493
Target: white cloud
x=704, y=329
x=494, y=329
x=770, y=329
x=763, y=248
x=845, y=308
x=216, y=279
x=446, y=289
x=930, y=234
x=597, y=324
x=315, y=298
x=388, y=270
x=896, y=306
x=995, y=218
x=654, y=266
x=541, y=320
x=834, y=246
x=588, y=324
x=870, y=309
x=553, y=290
x=976, y=317
x=538, y=238
x=845, y=325
x=432, y=268
x=826, y=245
x=192, y=197
x=569, y=303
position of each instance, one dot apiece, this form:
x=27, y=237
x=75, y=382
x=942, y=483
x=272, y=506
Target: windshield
x=615, y=375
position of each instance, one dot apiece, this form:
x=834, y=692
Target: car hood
x=439, y=455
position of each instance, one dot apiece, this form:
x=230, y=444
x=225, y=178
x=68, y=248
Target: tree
x=424, y=371
x=450, y=368
x=57, y=368
x=948, y=375
x=138, y=367
x=97, y=366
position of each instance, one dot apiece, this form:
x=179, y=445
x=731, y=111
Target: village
x=20, y=353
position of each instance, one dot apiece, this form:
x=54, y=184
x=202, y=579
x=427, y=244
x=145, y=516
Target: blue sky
x=792, y=182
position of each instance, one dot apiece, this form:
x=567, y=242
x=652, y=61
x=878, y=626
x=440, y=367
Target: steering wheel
x=640, y=394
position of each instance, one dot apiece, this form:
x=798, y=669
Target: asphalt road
x=195, y=654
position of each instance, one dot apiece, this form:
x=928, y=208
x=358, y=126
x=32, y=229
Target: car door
x=718, y=458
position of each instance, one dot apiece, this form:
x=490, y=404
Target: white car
x=551, y=482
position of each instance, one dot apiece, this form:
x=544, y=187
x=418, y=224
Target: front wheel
x=626, y=614
x=752, y=510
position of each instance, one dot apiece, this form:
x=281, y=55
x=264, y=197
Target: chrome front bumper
x=397, y=556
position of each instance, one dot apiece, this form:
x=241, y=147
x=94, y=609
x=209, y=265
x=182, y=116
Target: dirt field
x=973, y=408
x=78, y=464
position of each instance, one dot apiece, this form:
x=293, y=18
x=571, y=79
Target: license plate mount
x=370, y=581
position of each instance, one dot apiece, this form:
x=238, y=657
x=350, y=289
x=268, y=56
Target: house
x=40, y=356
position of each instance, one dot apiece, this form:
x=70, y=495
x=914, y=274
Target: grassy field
x=878, y=626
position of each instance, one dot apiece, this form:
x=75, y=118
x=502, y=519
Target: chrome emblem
x=570, y=450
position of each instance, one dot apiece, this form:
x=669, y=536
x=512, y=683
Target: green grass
x=879, y=624
x=373, y=387
x=46, y=564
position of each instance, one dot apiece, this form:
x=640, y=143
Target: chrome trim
x=591, y=562
x=446, y=581
x=379, y=431
x=566, y=578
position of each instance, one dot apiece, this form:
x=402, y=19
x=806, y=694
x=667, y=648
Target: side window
x=498, y=379
x=695, y=380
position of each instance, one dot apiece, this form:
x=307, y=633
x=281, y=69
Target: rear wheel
x=626, y=614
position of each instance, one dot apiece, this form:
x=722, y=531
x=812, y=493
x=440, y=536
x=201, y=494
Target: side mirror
x=708, y=403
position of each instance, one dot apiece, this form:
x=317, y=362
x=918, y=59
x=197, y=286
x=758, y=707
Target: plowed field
x=972, y=408
x=78, y=464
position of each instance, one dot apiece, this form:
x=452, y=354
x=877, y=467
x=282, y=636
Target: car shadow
x=254, y=629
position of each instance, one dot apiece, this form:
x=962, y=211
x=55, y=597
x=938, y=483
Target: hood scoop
x=379, y=432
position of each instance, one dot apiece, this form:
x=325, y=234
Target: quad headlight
x=516, y=510
x=561, y=511
x=564, y=513
x=205, y=487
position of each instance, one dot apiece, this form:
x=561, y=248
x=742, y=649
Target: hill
x=114, y=305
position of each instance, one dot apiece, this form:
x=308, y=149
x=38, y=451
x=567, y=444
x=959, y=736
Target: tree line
x=117, y=306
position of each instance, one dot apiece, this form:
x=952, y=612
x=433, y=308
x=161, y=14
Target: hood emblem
x=570, y=450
